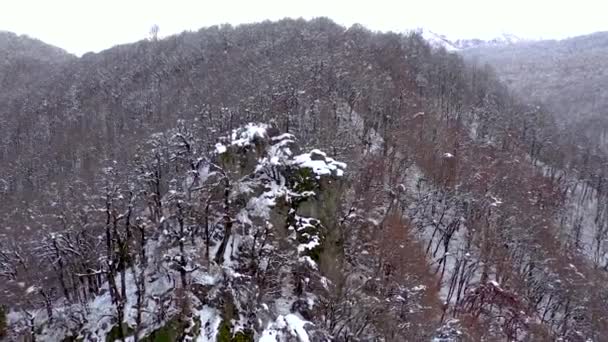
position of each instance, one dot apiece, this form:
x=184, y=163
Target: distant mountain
x=567, y=76
x=440, y=40
x=502, y=40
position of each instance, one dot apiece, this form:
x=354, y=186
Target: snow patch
x=247, y=134
x=319, y=163
x=210, y=322
x=292, y=323
x=220, y=148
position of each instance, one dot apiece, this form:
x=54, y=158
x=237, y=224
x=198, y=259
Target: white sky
x=83, y=25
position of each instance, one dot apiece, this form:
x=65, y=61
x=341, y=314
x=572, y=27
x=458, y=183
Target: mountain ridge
x=25, y=46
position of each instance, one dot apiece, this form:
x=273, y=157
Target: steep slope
x=566, y=79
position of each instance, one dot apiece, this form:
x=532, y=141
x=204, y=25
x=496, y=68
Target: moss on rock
x=171, y=331
x=243, y=336
x=224, y=333
x=114, y=333
x=303, y=179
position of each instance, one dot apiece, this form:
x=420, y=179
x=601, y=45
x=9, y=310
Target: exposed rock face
x=260, y=271
x=298, y=195
x=292, y=200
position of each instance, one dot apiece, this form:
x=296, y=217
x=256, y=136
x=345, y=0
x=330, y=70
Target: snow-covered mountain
x=451, y=45
x=438, y=40
x=502, y=40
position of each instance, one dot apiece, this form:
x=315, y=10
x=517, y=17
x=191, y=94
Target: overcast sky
x=82, y=25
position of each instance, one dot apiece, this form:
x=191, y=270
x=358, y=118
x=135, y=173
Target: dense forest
x=291, y=181
x=567, y=76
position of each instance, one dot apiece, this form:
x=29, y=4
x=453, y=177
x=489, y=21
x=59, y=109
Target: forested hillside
x=567, y=76
x=290, y=181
